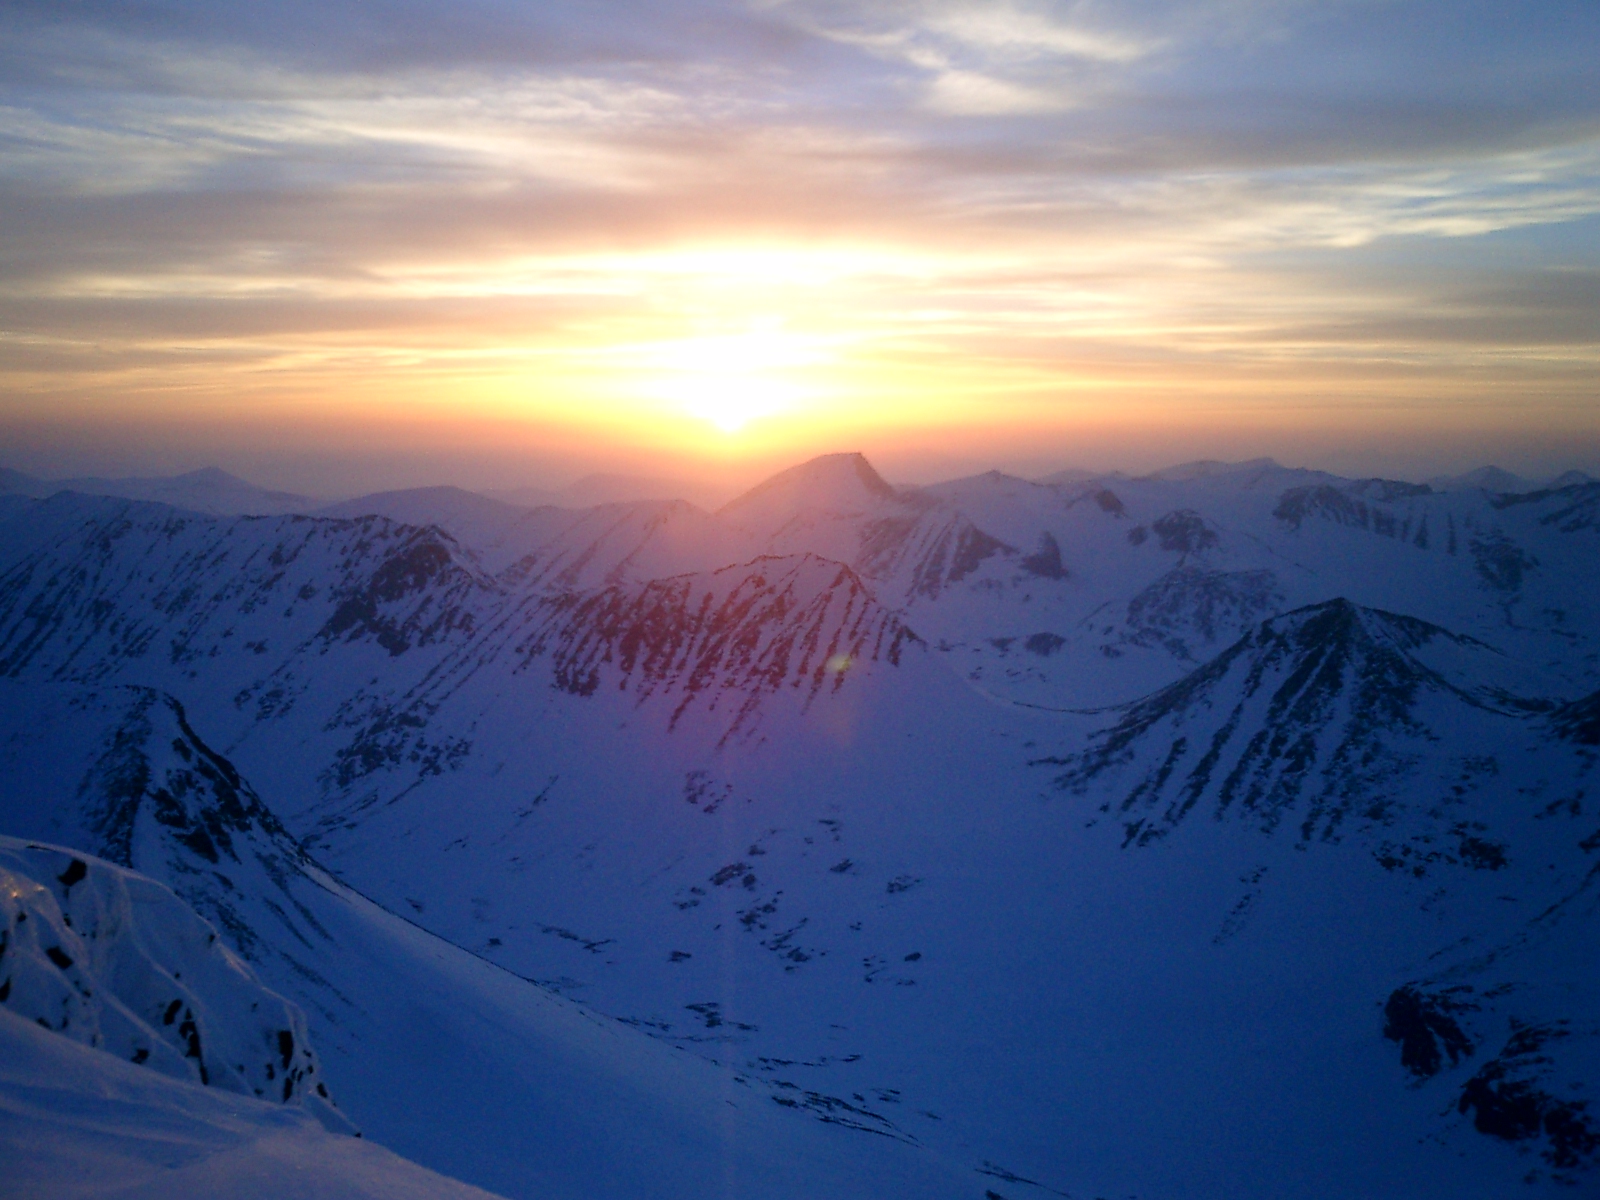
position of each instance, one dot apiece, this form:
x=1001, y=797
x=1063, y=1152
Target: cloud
x=1020, y=193
x=1013, y=31
x=974, y=94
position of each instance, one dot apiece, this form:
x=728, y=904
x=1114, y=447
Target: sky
x=335, y=246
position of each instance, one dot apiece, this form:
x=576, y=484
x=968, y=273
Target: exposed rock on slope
x=1317, y=713
x=97, y=585
x=1189, y=608
x=920, y=557
x=1368, y=505
x=1510, y=1036
x=1579, y=721
x=157, y=798
x=731, y=637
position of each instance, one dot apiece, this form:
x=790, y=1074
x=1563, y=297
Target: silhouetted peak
x=1345, y=624
x=831, y=481
x=1487, y=479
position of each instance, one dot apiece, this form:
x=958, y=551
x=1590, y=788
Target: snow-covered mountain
x=1506, y=483
x=993, y=824
x=1316, y=714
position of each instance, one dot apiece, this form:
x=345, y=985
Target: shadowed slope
x=1320, y=712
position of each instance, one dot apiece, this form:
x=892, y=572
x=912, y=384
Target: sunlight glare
x=731, y=380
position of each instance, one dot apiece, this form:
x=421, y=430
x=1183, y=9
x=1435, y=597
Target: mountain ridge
x=1339, y=670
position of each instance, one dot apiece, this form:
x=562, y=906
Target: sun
x=730, y=380
x=731, y=404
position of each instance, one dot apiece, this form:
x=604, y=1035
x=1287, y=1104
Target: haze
x=337, y=247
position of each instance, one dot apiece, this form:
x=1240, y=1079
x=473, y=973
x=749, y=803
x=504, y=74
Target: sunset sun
x=731, y=380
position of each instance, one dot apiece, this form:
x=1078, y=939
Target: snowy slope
x=752, y=907
x=141, y=1057
x=110, y=959
x=434, y=1052
x=77, y=1122
x=549, y=546
x=1319, y=713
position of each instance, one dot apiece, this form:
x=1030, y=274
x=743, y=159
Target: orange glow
x=989, y=231
x=759, y=352
x=728, y=380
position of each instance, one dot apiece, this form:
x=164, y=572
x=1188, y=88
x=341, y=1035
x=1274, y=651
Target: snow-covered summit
x=1484, y=479
x=835, y=483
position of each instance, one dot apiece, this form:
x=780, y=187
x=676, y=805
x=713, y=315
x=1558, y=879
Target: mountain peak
x=836, y=482
x=156, y=775
x=1487, y=479
x=1318, y=709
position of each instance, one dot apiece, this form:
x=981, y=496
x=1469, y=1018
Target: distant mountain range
x=209, y=490
x=214, y=491
x=612, y=489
